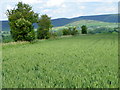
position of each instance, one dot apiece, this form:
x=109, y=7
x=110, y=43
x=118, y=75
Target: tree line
x=21, y=20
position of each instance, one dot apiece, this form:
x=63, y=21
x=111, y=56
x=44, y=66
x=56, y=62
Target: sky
x=64, y=8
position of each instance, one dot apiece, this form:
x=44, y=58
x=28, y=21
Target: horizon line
x=72, y=17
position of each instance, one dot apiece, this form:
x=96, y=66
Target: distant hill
x=92, y=23
x=111, y=18
x=5, y=25
x=105, y=18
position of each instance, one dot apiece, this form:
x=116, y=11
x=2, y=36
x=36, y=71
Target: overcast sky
x=64, y=8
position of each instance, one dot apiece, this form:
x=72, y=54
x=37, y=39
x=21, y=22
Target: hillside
x=111, y=18
x=92, y=23
x=105, y=18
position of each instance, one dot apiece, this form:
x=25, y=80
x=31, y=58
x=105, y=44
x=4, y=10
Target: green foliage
x=43, y=33
x=74, y=31
x=70, y=31
x=86, y=61
x=66, y=32
x=84, y=29
x=44, y=24
x=53, y=34
x=102, y=30
x=91, y=32
x=30, y=36
x=40, y=33
x=21, y=19
x=59, y=33
x=92, y=24
x=23, y=30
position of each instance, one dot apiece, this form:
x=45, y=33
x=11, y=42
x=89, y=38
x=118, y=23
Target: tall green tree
x=44, y=25
x=21, y=20
x=84, y=29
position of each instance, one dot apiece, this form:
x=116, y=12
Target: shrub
x=70, y=31
x=91, y=32
x=53, y=34
x=59, y=33
x=66, y=32
x=103, y=30
x=74, y=31
x=84, y=29
x=43, y=33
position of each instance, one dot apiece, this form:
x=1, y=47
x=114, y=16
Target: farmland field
x=70, y=62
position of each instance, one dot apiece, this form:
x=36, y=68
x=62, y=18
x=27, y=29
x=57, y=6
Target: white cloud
x=51, y=3
x=9, y=7
x=32, y=1
x=46, y=10
x=114, y=9
x=95, y=0
x=63, y=8
x=24, y=1
x=106, y=9
x=82, y=7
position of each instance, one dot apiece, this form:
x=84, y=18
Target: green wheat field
x=82, y=61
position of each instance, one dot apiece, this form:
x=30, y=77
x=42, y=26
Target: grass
x=69, y=62
x=93, y=23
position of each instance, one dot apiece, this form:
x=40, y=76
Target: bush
x=66, y=32
x=103, y=30
x=84, y=29
x=91, y=32
x=43, y=33
x=59, y=33
x=74, y=31
x=53, y=34
x=70, y=31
